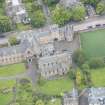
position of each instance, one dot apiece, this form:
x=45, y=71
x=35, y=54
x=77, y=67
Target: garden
x=55, y=87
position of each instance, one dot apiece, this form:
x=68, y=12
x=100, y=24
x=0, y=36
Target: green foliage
x=1, y=3
x=41, y=81
x=79, y=57
x=39, y=102
x=25, y=92
x=78, y=12
x=60, y=15
x=96, y=63
x=5, y=24
x=78, y=78
x=92, y=2
x=27, y=1
x=38, y=19
x=100, y=9
x=86, y=75
x=51, y=2
x=13, y=40
x=72, y=74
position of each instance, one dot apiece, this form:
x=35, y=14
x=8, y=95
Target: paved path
x=33, y=71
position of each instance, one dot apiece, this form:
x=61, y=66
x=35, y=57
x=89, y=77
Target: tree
x=1, y=3
x=38, y=19
x=72, y=75
x=91, y=2
x=51, y=2
x=100, y=9
x=60, y=15
x=78, y=78
x=79, y=57
x=79, y=12
x=86, y=75
x=28, y=1
x=5, y=24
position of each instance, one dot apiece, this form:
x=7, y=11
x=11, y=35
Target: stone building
x=15, y=54
x=96, y=96
x=49, y=35
x=16, y=10
x=71, y=98
x=40, y=44
x=47, y=49
x=57, y=64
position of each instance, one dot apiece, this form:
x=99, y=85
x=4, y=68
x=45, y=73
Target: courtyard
x=93, y=43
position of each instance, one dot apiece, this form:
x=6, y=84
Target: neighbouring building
x=71, y=98
x=96, y=96
x=47, y=49
x=16, y=10
x=90, y=11
x=57, y=64
x=15, y=54
x=49, y=35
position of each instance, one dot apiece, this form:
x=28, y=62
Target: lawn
x=93, y=43
x=56, y=87
x=13, y=69
x=98, y=77
x=5, y=98
x=22, y=27
x=7, y=84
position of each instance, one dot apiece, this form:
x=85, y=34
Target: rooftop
x=96, y=96
x=15, y=2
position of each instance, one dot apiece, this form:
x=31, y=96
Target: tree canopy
x=79, y=12
x=100, y=9
x=60, y=15
x=38, y=19
x=5, y=24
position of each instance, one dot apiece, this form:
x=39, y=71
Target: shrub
x=96, y=63
x=79, y=57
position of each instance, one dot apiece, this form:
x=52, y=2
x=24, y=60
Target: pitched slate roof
x=21, y=48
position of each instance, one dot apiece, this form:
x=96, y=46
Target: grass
x=22, y=27
x=13, y=69
x=1, y=11
x=55, y=87
x=5, y=98
x=98, y=77
x=93, y=43
x=7, y=84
